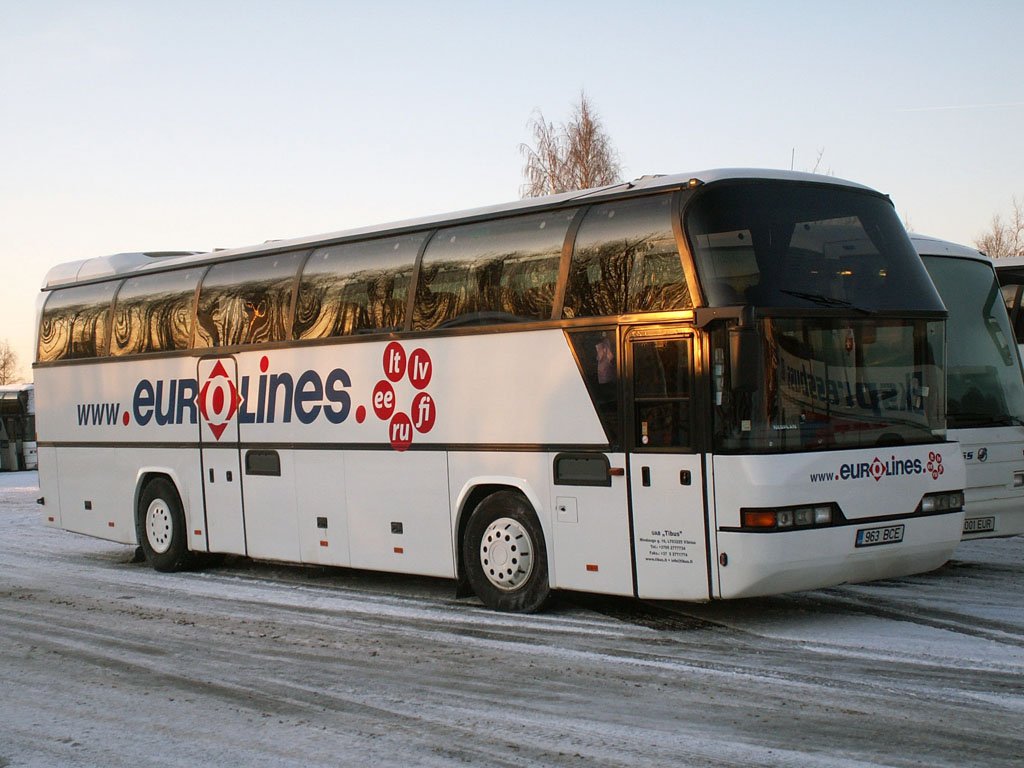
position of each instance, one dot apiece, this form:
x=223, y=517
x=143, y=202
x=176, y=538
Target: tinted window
x=597, y=357
x=153, y=313
x=778, y=244
x=983, y=375
x=661, y=390
x=493, y=272
x=247, y=301
x=625, y=260
x=75, y=322
x=356, y=287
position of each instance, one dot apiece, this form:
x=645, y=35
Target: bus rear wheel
x=160, y=526
x=504, y=554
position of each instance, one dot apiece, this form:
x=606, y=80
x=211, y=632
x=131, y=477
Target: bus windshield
x=985, y=386
x=786, y=245
x=832, y=383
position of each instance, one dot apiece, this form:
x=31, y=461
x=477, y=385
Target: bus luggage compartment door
x=218, y=437
x=668, y=526
x=666, y=477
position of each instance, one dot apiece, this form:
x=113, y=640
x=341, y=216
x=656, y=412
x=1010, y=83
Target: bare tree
x=574, y=155
x=818, y=167
x=8, y=363
x=1004, y=239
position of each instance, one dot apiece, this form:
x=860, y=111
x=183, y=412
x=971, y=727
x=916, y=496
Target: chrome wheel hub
x=506, y=554
x=159, y=526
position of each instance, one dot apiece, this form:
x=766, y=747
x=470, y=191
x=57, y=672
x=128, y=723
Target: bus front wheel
x=504, y=555
x=160, y=526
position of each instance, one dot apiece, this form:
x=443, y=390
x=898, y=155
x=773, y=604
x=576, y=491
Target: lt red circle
x=394, y=361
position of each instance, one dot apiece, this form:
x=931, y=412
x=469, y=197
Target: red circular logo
x=394, y=361
x=383, y=400
x=400, y=432
x=423, y=412
x=420, y=369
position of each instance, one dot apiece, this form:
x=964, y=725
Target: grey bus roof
x=126, y=263
x=933, y=246
x=108, y=266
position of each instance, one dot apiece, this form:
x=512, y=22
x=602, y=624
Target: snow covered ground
x=105, y=662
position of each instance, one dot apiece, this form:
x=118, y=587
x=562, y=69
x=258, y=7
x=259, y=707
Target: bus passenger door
x=218, y=402
x=666, y=475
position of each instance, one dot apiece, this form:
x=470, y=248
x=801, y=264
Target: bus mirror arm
x=743, y=358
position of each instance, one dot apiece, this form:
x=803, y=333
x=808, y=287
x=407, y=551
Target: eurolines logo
x=878, y=469
x=280, y=397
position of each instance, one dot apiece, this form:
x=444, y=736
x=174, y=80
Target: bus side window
x=153, y=313
x=356, y=287
x=662, y=391
x=491, y=272
x=1012, y=296
x=597, y=357
x=246, y=302
x=625, y=260
x=75, y=322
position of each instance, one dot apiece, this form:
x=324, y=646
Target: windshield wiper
x=824, y=301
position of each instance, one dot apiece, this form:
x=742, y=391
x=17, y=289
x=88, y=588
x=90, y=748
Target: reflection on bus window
x=597, y=357
x=661, y=390
x=75, y=322
x=835, y=383
x=154, y=313
x=246, y=302
x=625, y=260
x=492, y=272
x=798, y=247
x=356, y=288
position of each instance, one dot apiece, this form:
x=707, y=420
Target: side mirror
x=744, y=353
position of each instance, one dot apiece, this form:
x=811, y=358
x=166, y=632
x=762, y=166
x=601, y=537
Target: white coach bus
x=686, y=387
x=985, y=388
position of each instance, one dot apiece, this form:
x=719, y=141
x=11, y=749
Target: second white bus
x=985, y=388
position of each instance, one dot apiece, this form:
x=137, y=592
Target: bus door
x=666, y=475
x=219, y=455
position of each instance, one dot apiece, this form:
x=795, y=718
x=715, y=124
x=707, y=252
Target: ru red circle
x=383, y=400
x=400, y=431
x=423, y=412
x=394, y=361
x=420, y=369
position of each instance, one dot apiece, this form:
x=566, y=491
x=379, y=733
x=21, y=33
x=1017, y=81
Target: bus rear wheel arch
x=504, y=554
x=160, y=526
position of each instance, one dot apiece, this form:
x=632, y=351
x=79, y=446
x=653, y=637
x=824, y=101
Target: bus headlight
x=951, y=501
x=804, y=516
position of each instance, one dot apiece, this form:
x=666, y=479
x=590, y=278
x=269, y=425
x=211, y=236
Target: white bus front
x=826, y=352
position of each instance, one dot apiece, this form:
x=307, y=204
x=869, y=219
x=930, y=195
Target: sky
x=128, y=126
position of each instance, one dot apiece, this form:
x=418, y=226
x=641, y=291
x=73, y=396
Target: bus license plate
x=979, y=524
x=888, y=534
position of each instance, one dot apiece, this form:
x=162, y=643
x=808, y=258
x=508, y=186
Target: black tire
x=160, y=527
x=504, y=555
